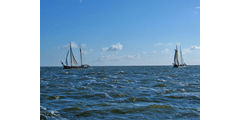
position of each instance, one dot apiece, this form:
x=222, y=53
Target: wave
x=183, y=97
x=97, y=95
x=120, y=93
x=46, y=114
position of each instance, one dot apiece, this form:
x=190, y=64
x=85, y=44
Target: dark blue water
x=119, y=93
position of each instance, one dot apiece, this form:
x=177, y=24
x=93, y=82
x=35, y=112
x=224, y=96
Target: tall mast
x=80, y=55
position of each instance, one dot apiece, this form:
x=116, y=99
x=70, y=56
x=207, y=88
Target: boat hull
x=76, y=67
x=177, y=66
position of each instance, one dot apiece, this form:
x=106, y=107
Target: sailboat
x=73, y=62
x=176, y=62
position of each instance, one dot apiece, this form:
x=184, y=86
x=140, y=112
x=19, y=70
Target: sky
x=119, y=32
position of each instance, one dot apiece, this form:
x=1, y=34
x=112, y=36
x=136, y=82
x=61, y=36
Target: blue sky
x=120, y=32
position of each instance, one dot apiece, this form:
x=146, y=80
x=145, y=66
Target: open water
x=120, y=93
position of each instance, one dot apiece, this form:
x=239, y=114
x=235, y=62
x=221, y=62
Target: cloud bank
x=115, y=47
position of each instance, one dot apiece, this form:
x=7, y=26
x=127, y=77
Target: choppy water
x=119, y=93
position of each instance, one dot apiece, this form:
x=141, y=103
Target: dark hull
x=177, y=66
x=75, y=67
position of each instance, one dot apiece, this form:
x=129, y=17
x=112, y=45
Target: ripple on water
x=97, y=95
x=183, y=97
x=55, y=97
x=154, y=92
x=142, y=108
x=90, y=113
x=71, y=109
x=159, y=85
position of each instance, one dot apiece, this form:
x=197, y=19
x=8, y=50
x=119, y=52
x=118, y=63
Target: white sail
x=73, y=60
x=176, y=62
x=182, y=62
x=66, y=61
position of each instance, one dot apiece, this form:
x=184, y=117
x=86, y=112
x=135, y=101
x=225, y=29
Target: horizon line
x=121, y=65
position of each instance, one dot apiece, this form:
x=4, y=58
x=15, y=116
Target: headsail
x=66, y=61
x=73, y=60
x=176, y=62
x=182, y=62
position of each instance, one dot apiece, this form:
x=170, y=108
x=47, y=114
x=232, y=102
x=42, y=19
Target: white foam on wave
x=43, y=108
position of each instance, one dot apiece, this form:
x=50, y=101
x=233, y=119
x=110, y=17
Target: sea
x=120, y=93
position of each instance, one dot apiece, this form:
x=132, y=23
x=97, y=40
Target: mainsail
x=66, y=61
x=176, y=62
x=73, y=60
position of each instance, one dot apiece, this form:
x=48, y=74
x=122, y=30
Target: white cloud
x=190, y=50
x=73, y=44
x=115, y=47
x=198, y=7
x=195, y=47
x=81, y=1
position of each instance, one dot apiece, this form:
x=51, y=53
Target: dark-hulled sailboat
x=176, y=62
x=73, y=62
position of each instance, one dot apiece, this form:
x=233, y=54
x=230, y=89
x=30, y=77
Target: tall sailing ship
x=176, y=59
x=73, y=62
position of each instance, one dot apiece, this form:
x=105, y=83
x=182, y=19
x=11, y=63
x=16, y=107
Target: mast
x=80, y=55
